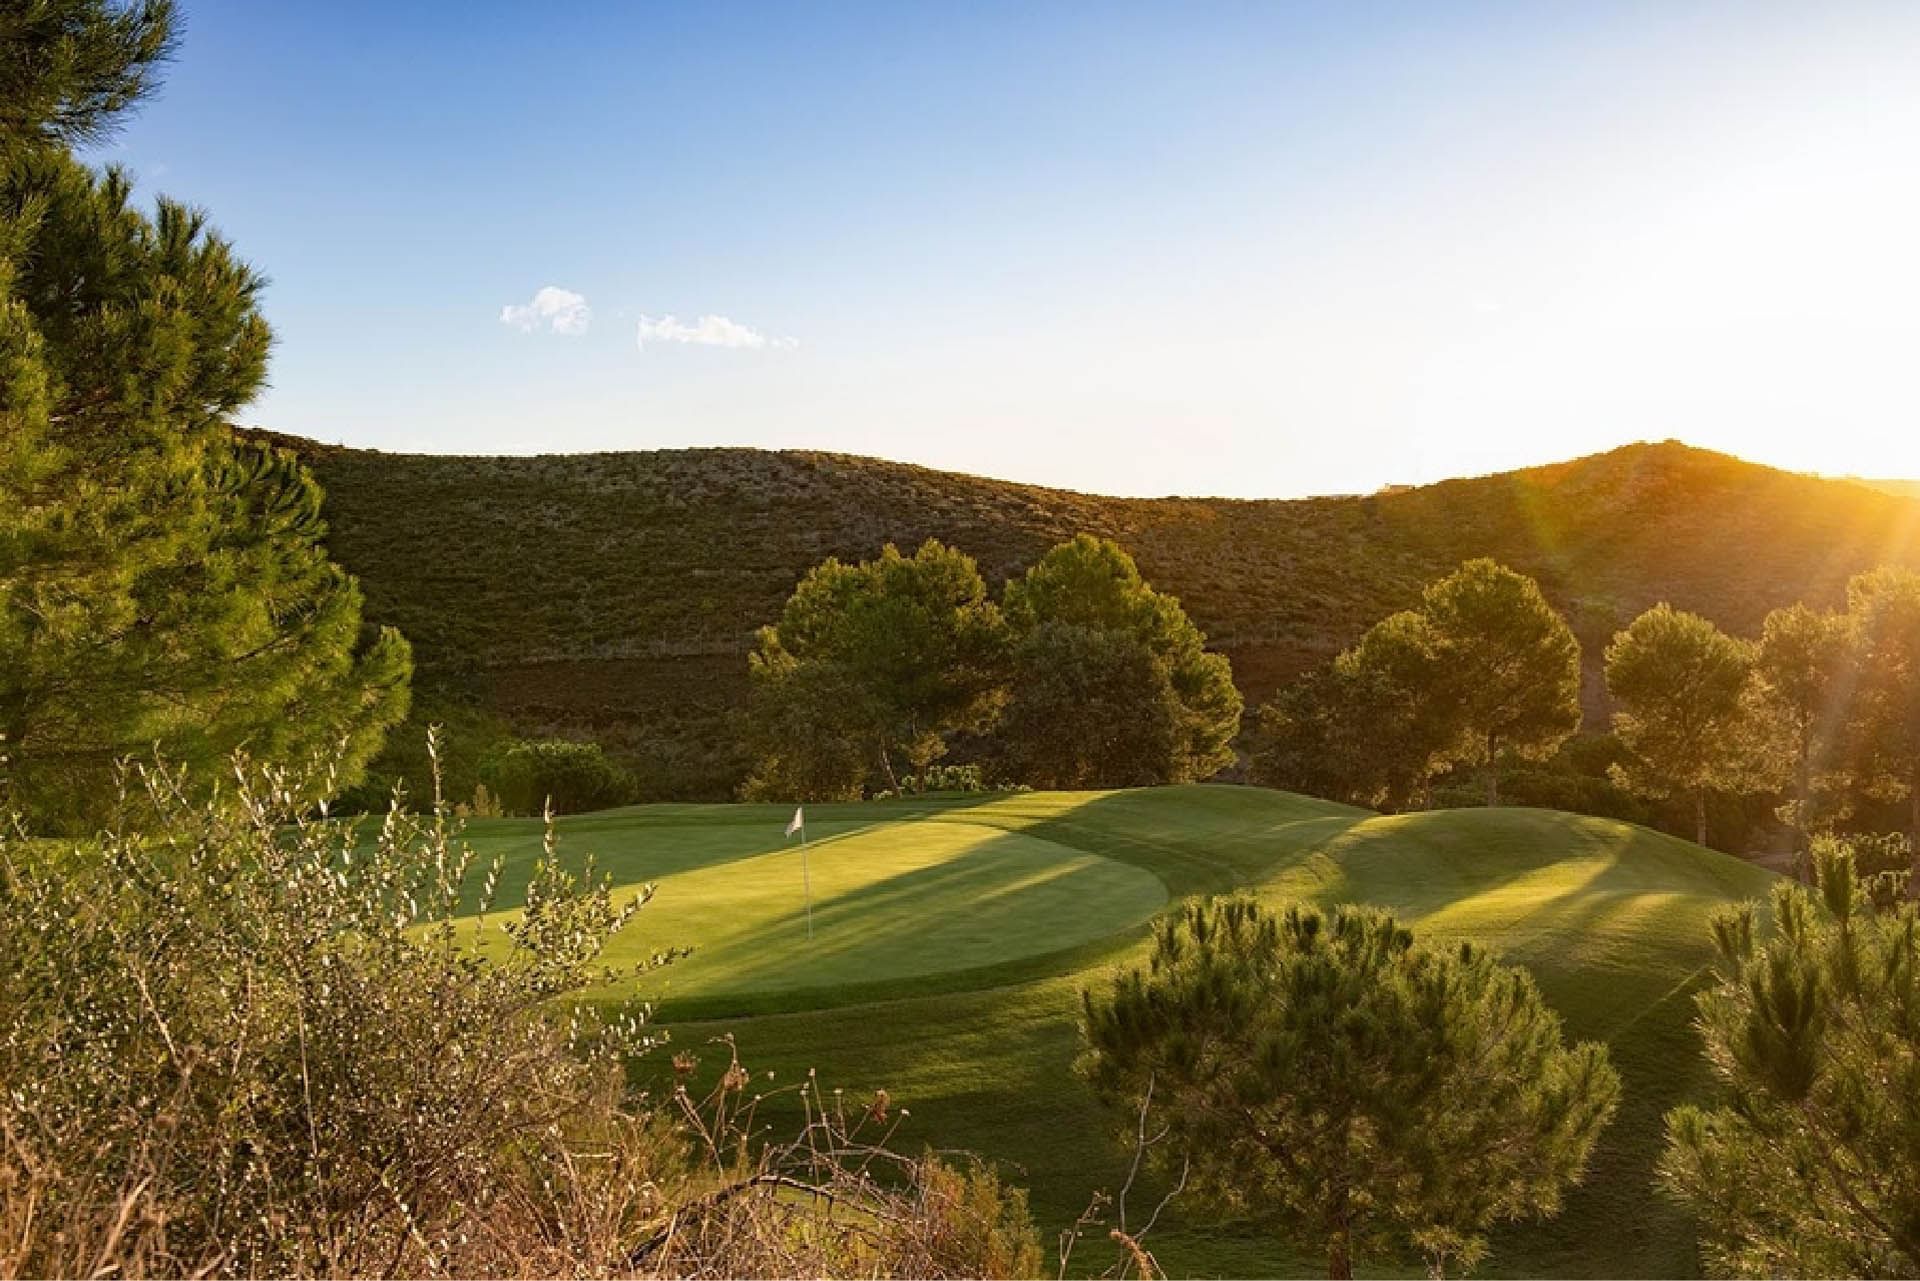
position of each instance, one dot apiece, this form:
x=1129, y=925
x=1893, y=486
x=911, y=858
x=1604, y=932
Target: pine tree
x=1112, y=684
x=871, y=664
x=1368, y=1095
x=1685, y=715
x=1509, y=663
x=1811, y=1166
x=1484, y=667
x=1883, y=607
x=163, y=587
x=73, y=68
x=1090, y=707
x=1800, y=665
x=1398, y=711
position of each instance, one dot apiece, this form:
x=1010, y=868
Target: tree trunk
x=886, y=764
x=1493, y=772
x=1700, y=817
x=1340, y=1244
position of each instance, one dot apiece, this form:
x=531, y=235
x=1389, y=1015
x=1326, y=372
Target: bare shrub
x=834, y=1199
x=239, y=1044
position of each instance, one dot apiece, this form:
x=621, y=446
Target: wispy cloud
x=708, y=331
x=552, y=308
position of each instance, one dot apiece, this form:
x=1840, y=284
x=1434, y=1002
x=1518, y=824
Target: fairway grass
x=952, y=940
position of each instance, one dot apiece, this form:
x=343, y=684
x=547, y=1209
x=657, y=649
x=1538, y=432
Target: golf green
x=890, y=900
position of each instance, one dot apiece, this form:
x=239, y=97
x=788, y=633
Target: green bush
x=944, y=778
x=1882, y=862
x=530, y=776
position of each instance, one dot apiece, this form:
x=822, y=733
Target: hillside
x=968, y=1016
x=1900, y=488
x=615, y=595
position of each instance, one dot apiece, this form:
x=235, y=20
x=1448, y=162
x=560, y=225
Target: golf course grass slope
x=952, y=938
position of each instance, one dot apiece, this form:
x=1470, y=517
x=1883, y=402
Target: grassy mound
x=953, y=938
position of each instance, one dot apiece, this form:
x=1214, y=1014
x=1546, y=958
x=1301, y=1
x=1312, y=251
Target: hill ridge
x=614, y=595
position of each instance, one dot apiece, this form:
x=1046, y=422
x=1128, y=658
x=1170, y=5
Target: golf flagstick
x=799, y=824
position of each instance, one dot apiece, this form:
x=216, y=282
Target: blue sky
x=1239, y=249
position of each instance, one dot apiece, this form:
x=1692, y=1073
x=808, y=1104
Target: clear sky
x=1250, y=249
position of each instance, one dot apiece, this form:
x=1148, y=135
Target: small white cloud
x=708, y=331
x=554, y=308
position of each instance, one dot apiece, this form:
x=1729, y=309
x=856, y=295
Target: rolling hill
x=615, y=595
x=952, y=939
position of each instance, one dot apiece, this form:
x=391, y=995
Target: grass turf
x=892, y=900
x=953, y=939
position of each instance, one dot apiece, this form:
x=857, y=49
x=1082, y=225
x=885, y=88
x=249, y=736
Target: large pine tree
x=1682, y=691
x=1367, y=1095
x=1810, y=1164
x=163, y=587
x=871, y=666
x=1510, y=666
x=1112, y=683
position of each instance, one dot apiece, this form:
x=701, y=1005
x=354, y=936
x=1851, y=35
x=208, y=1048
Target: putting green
x=892, y=900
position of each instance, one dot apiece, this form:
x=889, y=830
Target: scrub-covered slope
x=615, y=595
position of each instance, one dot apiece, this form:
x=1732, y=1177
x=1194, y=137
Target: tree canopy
x=871, y=665
x=1508, y=663
x=73, y=68
x=1483, y=667
x=1369, y=1095
x=162, y=585
x=1884, y=743
x=1681, y=686
x=1800, y=665
x=1111, y=683
x=1365, y=728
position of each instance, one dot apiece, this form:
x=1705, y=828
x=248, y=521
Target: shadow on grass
x=913, y=926
x=638, y=845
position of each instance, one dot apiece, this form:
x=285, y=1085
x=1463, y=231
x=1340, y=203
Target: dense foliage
x=1799, y=666
x=1366, y=1094
x=1084, y=677
x=1682, y=689
x=162, y=586
x=554, y=776
x=1811, y=1165
x=885, y=658
x=1484, y=671
x=1883, y=747
x=74, y=67
x=1110, y=683
x=1509, y=667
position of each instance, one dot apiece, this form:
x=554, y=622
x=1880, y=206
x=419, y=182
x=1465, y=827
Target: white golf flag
x=799, y=823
